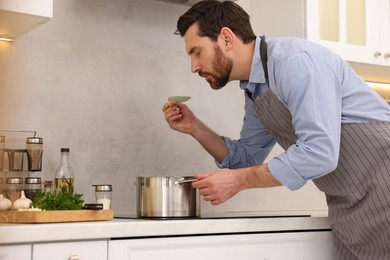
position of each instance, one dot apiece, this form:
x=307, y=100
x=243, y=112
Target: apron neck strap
x=264, y=57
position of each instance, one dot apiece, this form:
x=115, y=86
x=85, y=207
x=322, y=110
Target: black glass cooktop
x=225, y=215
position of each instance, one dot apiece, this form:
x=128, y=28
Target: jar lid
x=14, y=180
x=33, y=180
x=103, y=187
x=34, y=140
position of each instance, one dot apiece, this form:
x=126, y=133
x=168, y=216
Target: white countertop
x=137, y=228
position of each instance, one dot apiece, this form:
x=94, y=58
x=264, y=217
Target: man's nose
x=195, y=67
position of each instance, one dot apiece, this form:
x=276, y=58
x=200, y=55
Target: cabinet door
x=352, y=28
x=15, y=252
x=386, y=31
x=282, y=246
x=83, y=250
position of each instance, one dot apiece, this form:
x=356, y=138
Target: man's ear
x=227, y=37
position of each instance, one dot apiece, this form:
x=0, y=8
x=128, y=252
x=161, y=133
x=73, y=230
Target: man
x=334, y=128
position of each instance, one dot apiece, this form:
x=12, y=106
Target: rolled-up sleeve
x=311, y=91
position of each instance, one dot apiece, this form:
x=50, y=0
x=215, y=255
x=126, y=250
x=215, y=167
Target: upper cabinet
x=357, y=30
x=20, y=16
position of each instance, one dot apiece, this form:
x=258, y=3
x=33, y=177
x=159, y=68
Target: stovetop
x=226, y=215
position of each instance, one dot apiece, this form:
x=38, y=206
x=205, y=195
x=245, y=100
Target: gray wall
x=94, y=79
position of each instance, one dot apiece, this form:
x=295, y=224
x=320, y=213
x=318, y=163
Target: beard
x=222, y=67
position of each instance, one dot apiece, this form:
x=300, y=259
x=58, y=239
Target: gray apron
x=358, y=191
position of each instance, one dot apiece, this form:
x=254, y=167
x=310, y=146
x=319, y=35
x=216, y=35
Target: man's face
x=207, y=58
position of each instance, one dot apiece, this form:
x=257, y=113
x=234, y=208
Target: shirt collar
x=257, y=73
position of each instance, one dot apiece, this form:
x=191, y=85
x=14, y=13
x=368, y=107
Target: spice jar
x=32, y=186
x=13, y=188
x=34, y=153
x=103, y=193
x=48, y=187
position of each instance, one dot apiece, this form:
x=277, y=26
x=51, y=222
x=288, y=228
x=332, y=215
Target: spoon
x=179, y=98
x=172, y=100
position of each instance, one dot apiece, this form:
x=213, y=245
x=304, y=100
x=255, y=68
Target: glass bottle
x=64, y=178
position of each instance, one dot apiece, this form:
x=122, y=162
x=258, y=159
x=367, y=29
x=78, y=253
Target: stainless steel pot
x=167, y=197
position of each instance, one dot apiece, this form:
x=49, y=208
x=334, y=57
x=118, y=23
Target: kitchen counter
x=138, y=228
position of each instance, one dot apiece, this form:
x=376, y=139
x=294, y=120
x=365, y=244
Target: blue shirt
x=321, y=91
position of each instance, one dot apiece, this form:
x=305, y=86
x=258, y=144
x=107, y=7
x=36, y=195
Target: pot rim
x=171, y=176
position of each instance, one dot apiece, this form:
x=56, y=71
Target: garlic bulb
x=5, y=204
x=23, y=202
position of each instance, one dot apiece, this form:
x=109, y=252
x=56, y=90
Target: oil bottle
x=64, y=178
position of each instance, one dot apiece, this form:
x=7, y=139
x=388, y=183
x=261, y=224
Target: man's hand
x=179, y=117
x=219, y=186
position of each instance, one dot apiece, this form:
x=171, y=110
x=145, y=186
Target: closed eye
x=194, y=51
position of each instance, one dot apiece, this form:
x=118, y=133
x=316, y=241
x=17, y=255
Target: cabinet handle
x=73, y=257
x=387, y=55
x=377, y=54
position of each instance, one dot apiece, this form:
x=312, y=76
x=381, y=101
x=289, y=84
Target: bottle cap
x=65, y=150
x=47, y=184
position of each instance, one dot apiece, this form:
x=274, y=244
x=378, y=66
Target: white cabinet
x=277, y=246
x=386, y=30
x=358, y=30
x=82, y=250
x=15, y=252
x=20, y=16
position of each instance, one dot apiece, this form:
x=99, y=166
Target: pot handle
x=183, y=180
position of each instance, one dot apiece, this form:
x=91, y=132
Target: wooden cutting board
x=54, y=216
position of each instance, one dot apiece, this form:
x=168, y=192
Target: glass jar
x=32, y=186
x=13, y=188
x=34, y=153
x=48, y=187
x=1, y=186
x=103, y=194
x=2, y=146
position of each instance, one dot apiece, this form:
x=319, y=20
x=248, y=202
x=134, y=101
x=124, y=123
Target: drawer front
x=81, y=250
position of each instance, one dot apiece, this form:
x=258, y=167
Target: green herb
x=59, y=201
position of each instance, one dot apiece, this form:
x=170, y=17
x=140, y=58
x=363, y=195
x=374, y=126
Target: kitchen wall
x=95, y=78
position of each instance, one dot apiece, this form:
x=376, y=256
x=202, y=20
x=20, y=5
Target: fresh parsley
x=59, y=201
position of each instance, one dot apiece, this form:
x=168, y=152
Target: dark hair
x=212, y=15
